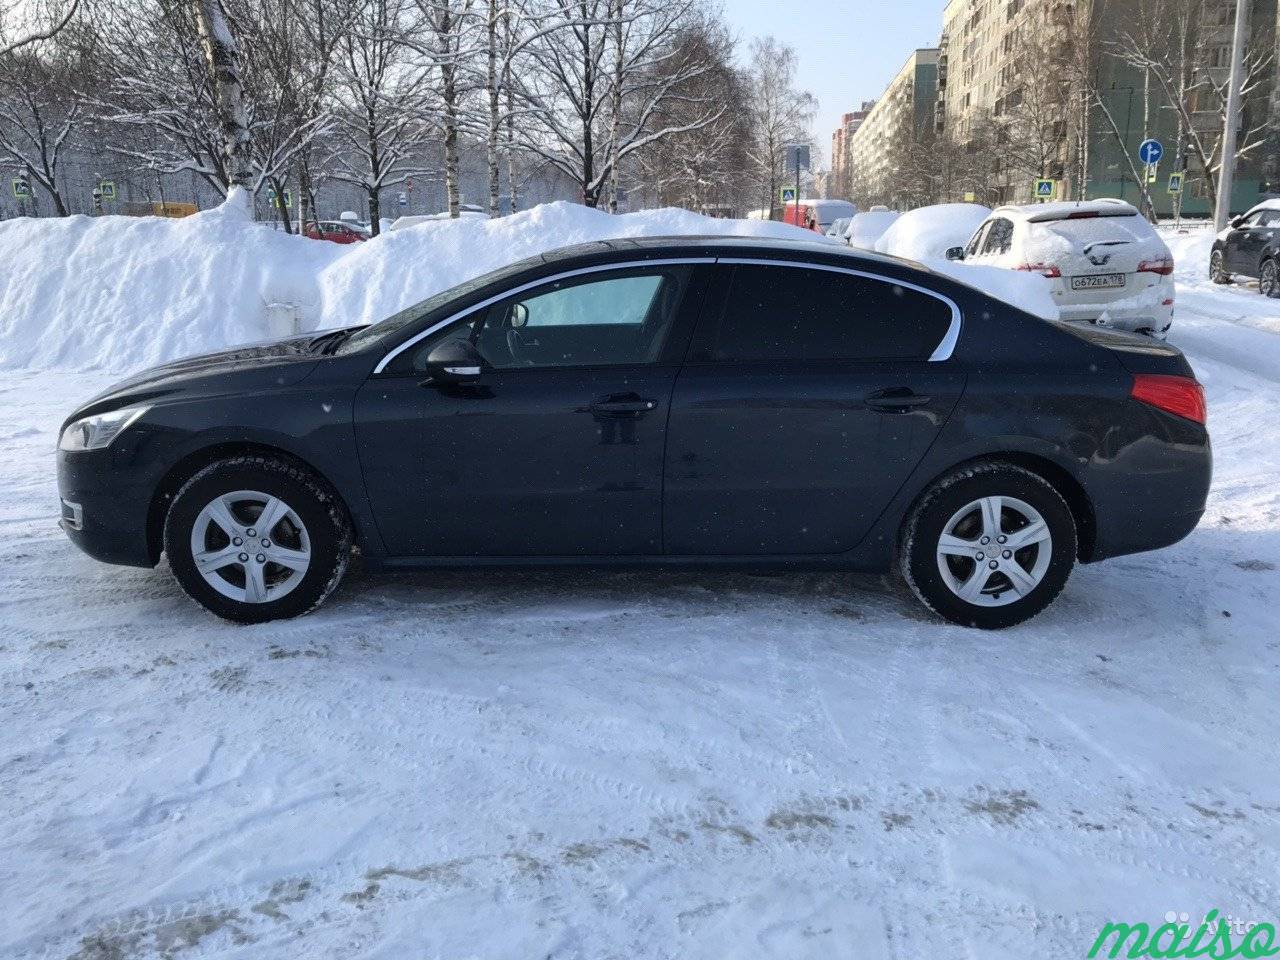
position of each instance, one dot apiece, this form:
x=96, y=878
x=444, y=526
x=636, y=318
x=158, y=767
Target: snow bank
x=928, y=231
x=394, y=271
x=119, y=293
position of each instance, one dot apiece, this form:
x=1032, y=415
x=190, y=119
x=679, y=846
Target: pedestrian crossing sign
x=1175, y=183
x=788, y=194
x=1046, y=189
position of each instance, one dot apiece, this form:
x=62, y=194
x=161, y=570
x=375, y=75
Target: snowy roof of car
x=1272, y=203
x=738, y=245
x=1066, y=209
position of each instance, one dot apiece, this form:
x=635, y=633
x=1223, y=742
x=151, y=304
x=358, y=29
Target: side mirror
x=519, y=315
x=1237, y=223
x=455, y=360
x=954, y=253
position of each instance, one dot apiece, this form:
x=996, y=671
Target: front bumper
x=104, y=509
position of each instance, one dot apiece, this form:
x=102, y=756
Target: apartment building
x=839, y=182
x=1006, y=75
x=904, y=114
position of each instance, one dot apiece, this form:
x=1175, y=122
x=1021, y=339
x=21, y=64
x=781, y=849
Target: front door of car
x=554, y=447
x=1258, y=231
x=808, y=400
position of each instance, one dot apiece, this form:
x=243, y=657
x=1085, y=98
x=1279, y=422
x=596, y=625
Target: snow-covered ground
x=643, y=765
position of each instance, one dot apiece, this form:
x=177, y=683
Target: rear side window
x=791, y=313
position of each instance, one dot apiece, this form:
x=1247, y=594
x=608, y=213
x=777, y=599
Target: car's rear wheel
x=257, y=538
x=1218, y=268
x=1269, y=279
x=989, y=546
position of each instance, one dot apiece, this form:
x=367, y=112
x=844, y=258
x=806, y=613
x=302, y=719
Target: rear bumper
x=1153, y=493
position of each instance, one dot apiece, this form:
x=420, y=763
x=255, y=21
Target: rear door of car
x=809, y=395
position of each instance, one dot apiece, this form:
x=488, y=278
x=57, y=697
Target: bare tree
x=605, y=72
x=43, y=111
x=1171, y=42
x=708, y=167
x=449, y=28
x=379, y=95
x=23, y=23
x=781, y=114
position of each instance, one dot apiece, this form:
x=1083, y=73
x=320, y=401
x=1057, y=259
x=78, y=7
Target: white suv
x=1106, y=263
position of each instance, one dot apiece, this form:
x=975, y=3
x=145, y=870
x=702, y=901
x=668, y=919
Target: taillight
x=1160, y=265
x=1044, y=269
x=1177, y=395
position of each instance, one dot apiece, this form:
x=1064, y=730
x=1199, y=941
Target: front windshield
x=393, y=324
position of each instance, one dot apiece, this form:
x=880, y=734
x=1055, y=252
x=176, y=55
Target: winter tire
x=1218, y=268
x=257, y=538
x=989, y=546
x=1269, y=279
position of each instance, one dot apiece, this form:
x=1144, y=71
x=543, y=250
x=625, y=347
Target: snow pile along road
x=120, y=293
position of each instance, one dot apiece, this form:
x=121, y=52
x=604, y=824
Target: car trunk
x=1099, y=256
x=1137, y=353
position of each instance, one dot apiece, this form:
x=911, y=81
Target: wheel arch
x=1053, y=473
x=196, y=460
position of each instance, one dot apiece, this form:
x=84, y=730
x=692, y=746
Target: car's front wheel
x=989, y=546
x=1218, y=268
x=257, y=538
x=1269, y=279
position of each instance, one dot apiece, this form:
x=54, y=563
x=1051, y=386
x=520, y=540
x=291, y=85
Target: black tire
x=921, y=533
x=1269, y=279
x=323, y=516
x=1217, y=268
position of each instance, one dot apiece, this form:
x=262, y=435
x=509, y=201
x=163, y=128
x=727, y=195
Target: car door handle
x=622, y=404
x=895, y=400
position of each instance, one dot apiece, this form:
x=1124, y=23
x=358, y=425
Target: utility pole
x=1227, y=176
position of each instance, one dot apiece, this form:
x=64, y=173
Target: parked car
x=336, y=231
x=835, y=411
x=867, y=227
x=817, y=215
x=838, y=227
x=927, y=233
x=1250, y=247
x=1106, y=262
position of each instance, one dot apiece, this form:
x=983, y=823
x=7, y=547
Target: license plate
x=1098, y=281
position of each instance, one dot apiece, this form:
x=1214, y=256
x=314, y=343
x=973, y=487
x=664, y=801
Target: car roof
x=1064, y=210
x=724, y=246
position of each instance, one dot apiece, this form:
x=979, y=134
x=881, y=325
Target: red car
x=336, y=231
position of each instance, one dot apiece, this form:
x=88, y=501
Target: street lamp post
x=1226, y=179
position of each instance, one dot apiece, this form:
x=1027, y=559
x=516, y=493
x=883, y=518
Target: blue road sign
x=1150, y=152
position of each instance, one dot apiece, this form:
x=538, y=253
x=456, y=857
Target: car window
x=999, y=237
x=791, y=313
x=975, y=242
x=619, y=319
x=1269, y=218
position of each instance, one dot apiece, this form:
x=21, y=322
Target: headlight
x=97, y=431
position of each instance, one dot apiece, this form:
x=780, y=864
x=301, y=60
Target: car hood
x=280, y=362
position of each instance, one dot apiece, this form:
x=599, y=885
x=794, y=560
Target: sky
x=848, y=50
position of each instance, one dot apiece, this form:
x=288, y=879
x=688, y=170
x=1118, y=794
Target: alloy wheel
x=250, y=546
x=994, y=551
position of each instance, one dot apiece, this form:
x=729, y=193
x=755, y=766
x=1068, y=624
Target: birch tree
x=450, y=31
x=222, y=54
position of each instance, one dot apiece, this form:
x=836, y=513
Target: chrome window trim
x=541, y=281
x=946, y=346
